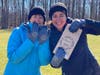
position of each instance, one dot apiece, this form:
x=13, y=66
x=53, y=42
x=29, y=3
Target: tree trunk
x=73, y=7
x=83, y=14
x=4, y=17
x=23, y=10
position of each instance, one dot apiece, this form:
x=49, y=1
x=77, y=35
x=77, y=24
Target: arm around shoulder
x=93, y=25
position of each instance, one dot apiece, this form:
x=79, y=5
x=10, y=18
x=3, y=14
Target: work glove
x=33, y=32
x=58, y=58
x=43, y=34
x=76, y=24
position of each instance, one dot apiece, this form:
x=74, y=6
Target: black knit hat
x=36, y=11
x=57, y=7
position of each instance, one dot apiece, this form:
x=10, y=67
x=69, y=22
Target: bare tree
x=99, y=11
x=32, y=4
x=0, y=12
x=4, y=17
x=96, y=6
x=84, y=1
x=22, y=10
x=73, y=7
x=92, y=9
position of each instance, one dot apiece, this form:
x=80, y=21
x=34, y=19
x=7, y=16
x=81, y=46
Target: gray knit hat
x=57, y=7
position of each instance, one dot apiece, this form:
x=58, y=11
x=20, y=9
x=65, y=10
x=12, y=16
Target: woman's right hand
x=33, y=32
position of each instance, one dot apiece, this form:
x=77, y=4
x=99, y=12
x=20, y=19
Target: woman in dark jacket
x=81, y=61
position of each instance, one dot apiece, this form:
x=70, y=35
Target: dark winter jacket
x=81, y=60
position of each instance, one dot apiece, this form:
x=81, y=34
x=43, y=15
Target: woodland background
x=13, y=12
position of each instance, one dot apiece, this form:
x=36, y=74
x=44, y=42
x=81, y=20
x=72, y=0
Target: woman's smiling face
x=59, y=20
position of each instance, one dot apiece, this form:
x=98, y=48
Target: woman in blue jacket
x=26, y=46
x=81, y=61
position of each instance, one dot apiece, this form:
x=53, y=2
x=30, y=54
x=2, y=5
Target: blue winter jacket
x=24, y=56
